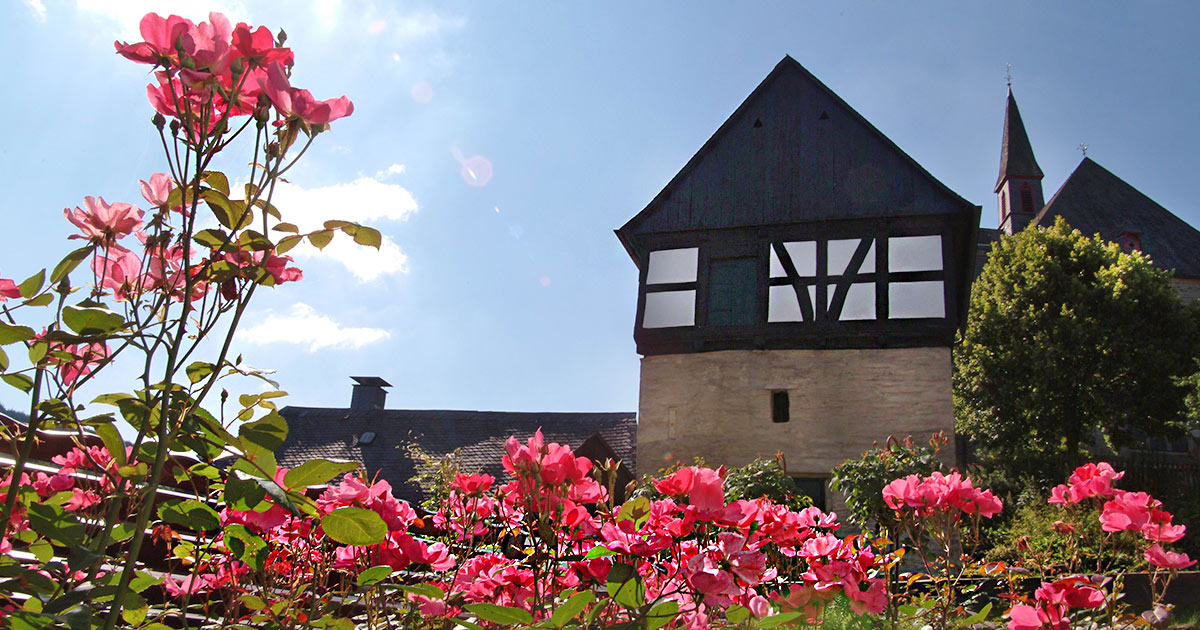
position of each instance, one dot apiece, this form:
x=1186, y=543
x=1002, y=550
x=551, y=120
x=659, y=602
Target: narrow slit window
x=780, y=406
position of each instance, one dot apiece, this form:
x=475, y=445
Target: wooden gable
x=795, y=172
x=793, y=152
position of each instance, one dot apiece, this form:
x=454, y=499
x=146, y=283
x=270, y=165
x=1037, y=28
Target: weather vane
x=1008, y=73
x=1083, y=149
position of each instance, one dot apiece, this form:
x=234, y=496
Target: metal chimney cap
x=370, y=381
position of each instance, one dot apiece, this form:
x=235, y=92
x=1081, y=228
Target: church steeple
x=1020, y=183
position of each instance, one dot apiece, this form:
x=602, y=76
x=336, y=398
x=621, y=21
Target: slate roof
x=792, y=152
x=1095, y=201
x=330, y=433
x=1016, y=153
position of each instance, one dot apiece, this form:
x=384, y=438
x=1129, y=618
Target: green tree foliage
x=1067, y=335
x=862, y=480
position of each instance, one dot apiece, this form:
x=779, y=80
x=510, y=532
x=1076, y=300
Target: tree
x=1068, y=336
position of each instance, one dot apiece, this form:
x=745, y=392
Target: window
x=1131, y=240
x=671, y=288
x=780, y=405
x=1026, y=199
x=732, y=292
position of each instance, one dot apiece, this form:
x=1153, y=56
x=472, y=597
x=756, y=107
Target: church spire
x=1020, y=181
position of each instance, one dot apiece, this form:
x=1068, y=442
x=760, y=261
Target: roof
x=1016, y=154
x=793, y=152
x=321, y=432
x=1094, y=201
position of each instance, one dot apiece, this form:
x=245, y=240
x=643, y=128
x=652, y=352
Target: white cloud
x=303, y=325
x=395, y=169
x=127, y=14
x=38, y=8
x=365, y=200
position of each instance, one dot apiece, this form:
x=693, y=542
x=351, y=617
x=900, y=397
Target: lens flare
x=477, y=171
x=422, y=92
x=377, y=26
x=545, y=281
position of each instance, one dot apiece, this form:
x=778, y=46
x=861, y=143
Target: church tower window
x=1026, y=198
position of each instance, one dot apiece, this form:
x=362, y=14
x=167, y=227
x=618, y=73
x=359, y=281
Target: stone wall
x=717, y=405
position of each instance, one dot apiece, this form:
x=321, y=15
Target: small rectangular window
x=780, y=406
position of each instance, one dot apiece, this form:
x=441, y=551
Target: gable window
x=732, y=292
x=671, y=288
x=1131, y=240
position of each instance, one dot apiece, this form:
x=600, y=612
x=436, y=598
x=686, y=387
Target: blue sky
x=512, y=293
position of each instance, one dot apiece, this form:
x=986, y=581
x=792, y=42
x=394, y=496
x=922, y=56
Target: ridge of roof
x=1016, y=152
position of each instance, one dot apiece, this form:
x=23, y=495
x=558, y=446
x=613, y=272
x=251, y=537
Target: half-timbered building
x=801, y=280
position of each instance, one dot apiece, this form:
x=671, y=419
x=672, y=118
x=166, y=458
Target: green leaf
x=217, y=180
x=599, y=551
x=368, y=236
x=315, y=472
x=252, y=602
x=37, y=352
x=286, y=227
x=374, y=575
x=41, y=300
x=242, y=493
x=504, y=615
x=211, y=238
x=636, y=510
x=112, y=441
x=42, y=550
x=662, y=614
x=190, y=513
x=221, y=207
x=286, y=243
x=278, y=495
x=92, y=320
x=737, y=614
x=142, y=581
x=268, y=432
x=135, y=608
x=245, y=546
x=778, y=620
x=55, y=523
x=571, y=608
x=199, y=370
x=979, y=616
x=320, y=239
x=3, y=360
x=122, y=532
x=19, y=381
x=354, y=526
x=33, y=284
x=625, y=586
x=69, y=263
x=428, y=590
x=12, y=334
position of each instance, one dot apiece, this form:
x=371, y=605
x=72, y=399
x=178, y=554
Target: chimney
x=368, y=393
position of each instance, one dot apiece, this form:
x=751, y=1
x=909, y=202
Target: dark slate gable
x=1095, y=201
x=336, y=433
x=793, y=152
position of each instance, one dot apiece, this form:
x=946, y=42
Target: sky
x=497, y=145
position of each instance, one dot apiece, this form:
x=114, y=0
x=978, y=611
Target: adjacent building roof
x=793, y=152
x=1095, y=201
x=342, y=434
x=1016, y=153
